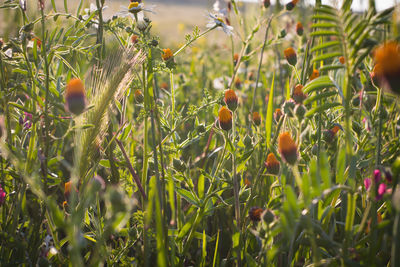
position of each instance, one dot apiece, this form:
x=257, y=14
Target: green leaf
x=188, y=196
x=322, y=108
x=319, y=83
x=270, y=111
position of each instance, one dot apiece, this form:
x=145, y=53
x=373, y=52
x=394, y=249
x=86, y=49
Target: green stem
x=192, y=40
x=236, y=186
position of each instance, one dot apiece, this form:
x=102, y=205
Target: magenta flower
x=367, y=183
x=381, y=191
x=377, y=175
x=2, y=196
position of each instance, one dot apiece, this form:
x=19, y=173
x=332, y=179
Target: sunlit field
x=199, y=133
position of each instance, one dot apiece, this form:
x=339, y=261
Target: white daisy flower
x=218, y=9
x=133, y=9
x=217, y=20
x=9, y=53
x=89, y=11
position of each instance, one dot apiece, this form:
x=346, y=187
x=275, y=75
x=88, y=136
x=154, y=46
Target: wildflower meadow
x=267, y=136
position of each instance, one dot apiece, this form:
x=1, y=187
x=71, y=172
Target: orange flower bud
x=272, y=164
x=290, y=55
x=139, y=97
x=267, y=3
x=235, y=58
x=255, y=214
x=134, y=39
x=277, y=115
x=75, y=97
x=291, y=5
x=38, y=41
x=167, y=54
x=341, y=60
x=314, y=74
x=299, y=28
x=256, y=118
x=298, y=95
x=225, y=118
x=67, y=189
x=287, y=148
x=387, y=57
x=231, y=99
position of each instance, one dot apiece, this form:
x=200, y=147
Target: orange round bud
x=75, y=97
x=255, y=214
x=256, y=118
x=225, y=118
x=299, y=28
x=290, y=55
x=298, y=95
x=167, y=54
x=272, y=164
x=287, y=148
x=341, y=60
x=314, y=74
x=231, y=99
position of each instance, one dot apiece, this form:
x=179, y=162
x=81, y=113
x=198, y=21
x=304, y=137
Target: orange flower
x=139, y=97
x=238, y=82
x=314, y=74
x=75, y=98
x=247, y=182
x=291, y=5
x=256, y=118
x=330, y=134
x=38, y=41
x=299, y=28
x=164, y=86
x=134, y=39
x=225, y=118
x=387, y=65
x=231, y=99
x=277, y=115
x=298, y=95
x=235, y=58
x=290, y=55
x=287, y=148
x=67, y=189
x=341, y=60
x=167, y=54
x=272, y=164
x=255, y=214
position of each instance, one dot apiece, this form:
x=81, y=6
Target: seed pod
x=288, y=108
x=287, y=148
x=300, y=111
x=268, y=216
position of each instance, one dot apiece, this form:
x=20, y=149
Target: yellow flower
x=225, y=118
x=287, y=148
